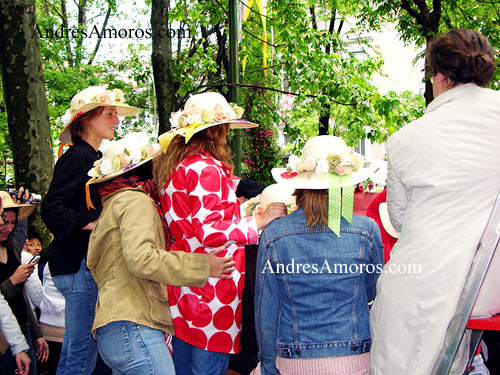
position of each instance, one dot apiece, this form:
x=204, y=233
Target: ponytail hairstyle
x=463, y=56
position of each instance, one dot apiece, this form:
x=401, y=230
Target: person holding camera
x=14, y=277
x=92, y=117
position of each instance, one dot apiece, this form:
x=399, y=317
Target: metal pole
x=5, y=154
x=234, y=92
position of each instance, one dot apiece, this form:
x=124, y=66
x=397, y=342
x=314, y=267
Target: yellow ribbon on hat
x=187, y=132
x=165, y=139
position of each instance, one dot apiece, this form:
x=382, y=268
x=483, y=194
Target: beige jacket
x=130, y=266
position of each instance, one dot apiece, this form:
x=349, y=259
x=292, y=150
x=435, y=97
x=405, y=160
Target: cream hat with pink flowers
x=203, y=111
x=90, y=98
x=326, y=163
x=320, y=156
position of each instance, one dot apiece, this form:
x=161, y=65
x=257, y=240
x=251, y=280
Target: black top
x=16, y=302
x=15, y=295
x=64, y=208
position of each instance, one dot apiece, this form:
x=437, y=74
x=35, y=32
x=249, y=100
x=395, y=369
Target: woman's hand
x=23, y=363
x=273, y=211
x=219, y=267
x=23, y=195
x=42, y=349
x=22, y=273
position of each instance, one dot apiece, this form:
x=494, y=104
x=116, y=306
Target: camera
x=32, y=199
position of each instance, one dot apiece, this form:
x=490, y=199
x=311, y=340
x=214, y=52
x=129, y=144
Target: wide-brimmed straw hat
x=275, y=193
x=326, y=163
x=203, y=111
x=121, y=156
x=90, y=98
x=386, y=221
x=24, y=209
x=320, y=156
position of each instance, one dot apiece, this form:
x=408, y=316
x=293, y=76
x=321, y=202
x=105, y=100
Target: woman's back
x=320, y=283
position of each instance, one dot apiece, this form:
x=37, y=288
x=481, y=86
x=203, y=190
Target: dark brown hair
x=210, y=139
x=463, y=56
x=77, y=127
x=315, y=205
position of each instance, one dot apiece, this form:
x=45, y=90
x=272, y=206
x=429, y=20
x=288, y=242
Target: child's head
x=34, y=243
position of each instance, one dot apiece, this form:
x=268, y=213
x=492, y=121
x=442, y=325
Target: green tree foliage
x=420, y=20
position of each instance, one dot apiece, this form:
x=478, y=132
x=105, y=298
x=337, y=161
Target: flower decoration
x=124, y=154
x=255, y=207
x=344, y=163
x=220, y=113
x=109, y=97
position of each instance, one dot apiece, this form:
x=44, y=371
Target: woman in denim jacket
x=317, y=269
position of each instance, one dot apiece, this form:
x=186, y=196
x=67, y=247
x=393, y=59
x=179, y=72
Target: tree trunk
x=161, y=59
x=324, y=120
x=24, y=95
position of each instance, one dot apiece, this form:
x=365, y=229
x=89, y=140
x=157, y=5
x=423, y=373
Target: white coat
x=443, y=178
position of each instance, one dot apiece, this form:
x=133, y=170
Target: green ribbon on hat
x=334, y=202
x=347, y=197
x=340, y=200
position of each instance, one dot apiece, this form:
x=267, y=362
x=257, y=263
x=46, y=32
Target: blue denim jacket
x=312, y=288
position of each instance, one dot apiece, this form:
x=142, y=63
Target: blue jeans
x=191, y=360
x=79, y=349
x=134, y=349
x=8, y=363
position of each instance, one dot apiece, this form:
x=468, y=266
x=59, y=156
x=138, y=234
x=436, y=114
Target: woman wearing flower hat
x=129, y=263
x=198, y=199
x=92, y=117
x=316, y=270
x=14, y=279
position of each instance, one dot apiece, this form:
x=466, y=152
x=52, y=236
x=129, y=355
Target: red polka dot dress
x=200, y=207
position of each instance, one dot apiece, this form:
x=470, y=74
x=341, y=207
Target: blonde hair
x=210, y=140
x=315, y=205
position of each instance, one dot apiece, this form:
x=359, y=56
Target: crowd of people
x=163, y=262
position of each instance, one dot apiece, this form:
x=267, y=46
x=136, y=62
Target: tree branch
x=211, y=86
x=254, y=11
x=313, y=18
x=262, y=40
x=98, y=43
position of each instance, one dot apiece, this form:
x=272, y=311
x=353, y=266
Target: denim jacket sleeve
x=377, y=259
x=266, y=309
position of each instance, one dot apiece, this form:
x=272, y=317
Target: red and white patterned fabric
x=200, y=206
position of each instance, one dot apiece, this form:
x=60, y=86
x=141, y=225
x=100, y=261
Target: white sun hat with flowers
x=90, y=98
x=123, y=155
x=326, y=163
x=273, y=193
x=200, y=112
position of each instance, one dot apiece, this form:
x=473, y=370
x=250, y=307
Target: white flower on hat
x=135, y=155
x=194, y=117
x=66, y=117
x=322, y=166
x=106, y=167
x=114, y=148
x=292, y=162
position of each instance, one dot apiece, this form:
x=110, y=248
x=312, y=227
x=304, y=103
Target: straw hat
x=203, y=111
x=89, y=99
x=320, y=156
x=386, y=221
x=274, y=193
x=24, y=209
x=326, y=163
x=123, y=155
